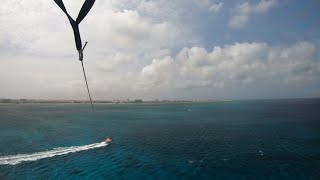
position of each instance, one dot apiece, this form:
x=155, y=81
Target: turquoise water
x=265, y=139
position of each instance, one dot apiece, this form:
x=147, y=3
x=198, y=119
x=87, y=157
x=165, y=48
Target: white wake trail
x=19, y=158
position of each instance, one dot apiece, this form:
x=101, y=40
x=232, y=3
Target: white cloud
x=216, y=7
x=128, y=30
x=158, y=73
x=243, y=11
x=234, y=65
x=264, y=6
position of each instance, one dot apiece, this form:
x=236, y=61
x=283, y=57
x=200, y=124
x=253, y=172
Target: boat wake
x=19, y=158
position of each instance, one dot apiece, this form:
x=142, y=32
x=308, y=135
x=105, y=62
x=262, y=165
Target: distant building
x=23, y=101
x=138, y=100
x=5, y=100
x=116, y=101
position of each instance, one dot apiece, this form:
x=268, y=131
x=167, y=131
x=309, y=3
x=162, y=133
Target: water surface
x=262, y=139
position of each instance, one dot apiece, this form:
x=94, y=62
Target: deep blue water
x=262, y=139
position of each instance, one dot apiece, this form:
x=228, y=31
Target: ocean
x=253, y=139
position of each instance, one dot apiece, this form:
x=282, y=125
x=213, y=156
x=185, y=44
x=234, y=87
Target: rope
x=84, y=73
x=85, y=77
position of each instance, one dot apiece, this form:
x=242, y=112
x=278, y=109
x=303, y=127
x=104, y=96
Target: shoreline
x=29, y=102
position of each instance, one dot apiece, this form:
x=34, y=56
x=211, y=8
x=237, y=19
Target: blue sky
x=286, y=22
x=159, y=49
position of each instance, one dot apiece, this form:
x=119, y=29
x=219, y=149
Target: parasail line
x=85, y=77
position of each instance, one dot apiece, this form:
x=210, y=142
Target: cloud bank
x=191, y=70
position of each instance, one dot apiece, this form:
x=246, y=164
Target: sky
x=161, y=49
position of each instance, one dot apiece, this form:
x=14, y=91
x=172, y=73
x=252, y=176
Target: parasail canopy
x=87, y=5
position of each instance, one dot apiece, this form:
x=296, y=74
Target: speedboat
x=107, y=140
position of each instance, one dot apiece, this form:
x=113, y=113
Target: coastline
x=137, y=101
x=33, y=101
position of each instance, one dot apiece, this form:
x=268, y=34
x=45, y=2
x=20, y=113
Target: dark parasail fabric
x=87, y=5
x=75, y=24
